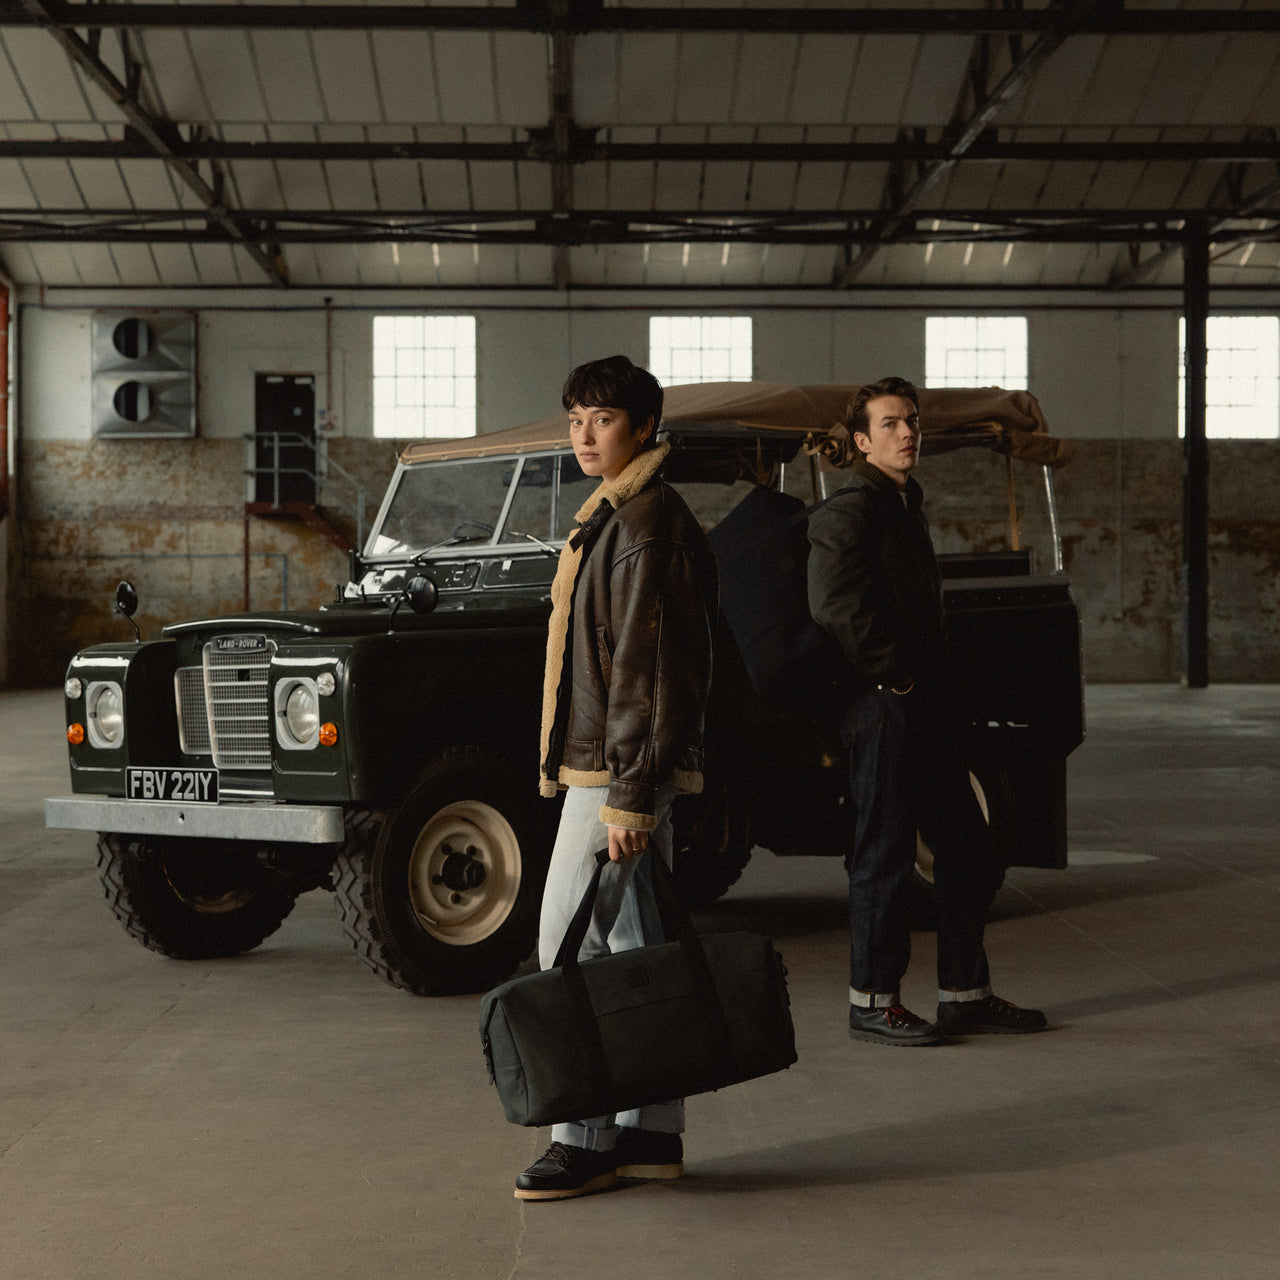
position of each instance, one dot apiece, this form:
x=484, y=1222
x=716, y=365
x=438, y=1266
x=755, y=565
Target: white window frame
x=424, y=376
x=1242, y=378
x=701, y=349
x=976, y=351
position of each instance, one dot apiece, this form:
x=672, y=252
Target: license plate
x=186, y=786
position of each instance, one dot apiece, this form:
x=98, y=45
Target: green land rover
x=384, y=747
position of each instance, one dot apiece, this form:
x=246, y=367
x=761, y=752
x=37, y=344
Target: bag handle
x=575, y=935
x=677, y=925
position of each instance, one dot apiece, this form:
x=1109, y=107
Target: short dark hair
x=616, y=383
x=855, y=414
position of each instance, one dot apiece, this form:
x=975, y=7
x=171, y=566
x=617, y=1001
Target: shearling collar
x=635, y=475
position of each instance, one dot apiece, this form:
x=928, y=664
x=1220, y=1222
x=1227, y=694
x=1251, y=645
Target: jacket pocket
x=603, y=655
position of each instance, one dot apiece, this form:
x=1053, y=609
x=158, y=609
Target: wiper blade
x=451, y=541
x=538, y=542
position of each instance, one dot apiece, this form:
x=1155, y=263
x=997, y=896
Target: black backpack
x=762, y=553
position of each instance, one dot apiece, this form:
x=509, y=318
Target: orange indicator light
x=328, y=734
x=75, y=734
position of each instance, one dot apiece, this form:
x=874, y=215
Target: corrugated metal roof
x=674, y=157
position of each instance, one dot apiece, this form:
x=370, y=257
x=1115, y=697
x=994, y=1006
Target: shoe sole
x=992, y=1031
x=653, y=1171
x=600, y=1183
x=874, y=1037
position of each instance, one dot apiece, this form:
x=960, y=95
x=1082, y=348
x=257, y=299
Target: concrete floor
x=287, y=1115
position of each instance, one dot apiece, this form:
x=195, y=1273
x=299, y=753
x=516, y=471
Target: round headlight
x=301, y=713
x=106, y=711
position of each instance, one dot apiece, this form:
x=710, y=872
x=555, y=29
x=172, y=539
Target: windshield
x=548, y=495
x=443, y=504
x=454, y=504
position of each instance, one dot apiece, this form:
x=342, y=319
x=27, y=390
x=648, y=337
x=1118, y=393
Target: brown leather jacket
x=629, y=647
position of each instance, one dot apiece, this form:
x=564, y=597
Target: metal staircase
x=344, y=529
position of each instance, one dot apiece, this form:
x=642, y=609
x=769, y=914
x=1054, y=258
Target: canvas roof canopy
x=1009, y=422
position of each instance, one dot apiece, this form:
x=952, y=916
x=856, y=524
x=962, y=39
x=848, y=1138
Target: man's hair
x=616, y=383
x=855, y=414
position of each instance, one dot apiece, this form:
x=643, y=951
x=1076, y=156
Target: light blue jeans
x=625, y=917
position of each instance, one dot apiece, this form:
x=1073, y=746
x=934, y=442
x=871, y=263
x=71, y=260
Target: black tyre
x=991, y=789
x=712, y=845
x=442, y=895
x=191, y=899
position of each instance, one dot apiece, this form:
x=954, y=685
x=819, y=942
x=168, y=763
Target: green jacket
x=873, y=580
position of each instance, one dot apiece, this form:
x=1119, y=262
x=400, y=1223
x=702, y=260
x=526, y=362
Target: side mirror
x=127, y=606
x=422, y=594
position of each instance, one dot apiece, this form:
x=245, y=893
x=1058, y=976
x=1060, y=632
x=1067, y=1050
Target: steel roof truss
x=585, y=16
x=1239, y=207
x=1132, y=227
x=1065, y=18
x=565, y=143
x=157, y=132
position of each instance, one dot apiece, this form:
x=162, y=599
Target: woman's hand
x=625, y=844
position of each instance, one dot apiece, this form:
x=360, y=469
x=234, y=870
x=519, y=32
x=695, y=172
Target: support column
x=1195, y=460
x=6, y=522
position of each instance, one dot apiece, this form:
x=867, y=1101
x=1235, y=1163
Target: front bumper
x=264, y=820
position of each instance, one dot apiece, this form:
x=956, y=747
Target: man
x=628, y=667
x=874, y=585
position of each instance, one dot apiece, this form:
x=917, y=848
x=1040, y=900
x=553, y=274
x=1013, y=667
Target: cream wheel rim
x=464, y=873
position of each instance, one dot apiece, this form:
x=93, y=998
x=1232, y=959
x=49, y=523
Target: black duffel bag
x=638, y=1027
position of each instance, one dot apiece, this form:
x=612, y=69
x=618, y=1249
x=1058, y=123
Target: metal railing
x=318, y=475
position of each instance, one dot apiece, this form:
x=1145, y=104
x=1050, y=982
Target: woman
x=628, y=667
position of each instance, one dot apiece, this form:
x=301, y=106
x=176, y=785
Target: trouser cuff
x=663, y=1117
x=872, y=999
x=592, y=1137
x=963, y=997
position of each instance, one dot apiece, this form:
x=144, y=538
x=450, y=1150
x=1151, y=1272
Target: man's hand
x=626, y=844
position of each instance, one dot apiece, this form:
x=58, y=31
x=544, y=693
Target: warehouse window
x=976, y=351
x=1242, y=381
x=424, y=376
x=700, y=348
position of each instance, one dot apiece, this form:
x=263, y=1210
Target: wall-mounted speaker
x=143, y=373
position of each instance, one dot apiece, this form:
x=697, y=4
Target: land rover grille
x=222, y=704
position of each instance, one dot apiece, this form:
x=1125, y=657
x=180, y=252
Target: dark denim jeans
x=907, y=775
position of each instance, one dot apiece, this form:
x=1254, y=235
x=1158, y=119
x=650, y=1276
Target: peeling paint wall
x=1120, y=519
x=1121, y=510
x=169, y=514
